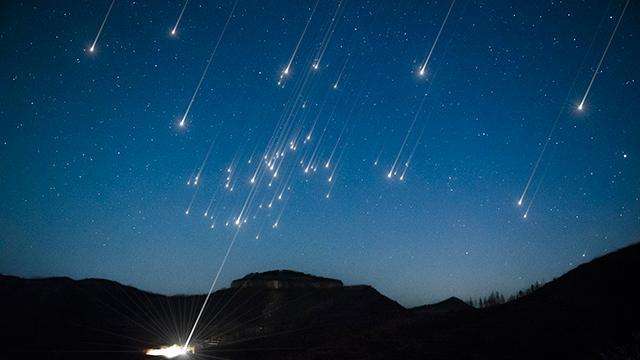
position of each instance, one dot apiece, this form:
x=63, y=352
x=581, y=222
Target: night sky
x=94, y=167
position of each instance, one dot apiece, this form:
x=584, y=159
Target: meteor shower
x=320, y=179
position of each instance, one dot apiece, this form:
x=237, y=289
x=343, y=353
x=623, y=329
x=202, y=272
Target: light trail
x=415, y=147
x=315, y=121
x=377, y=160
x=335, y=167
x=604, y=53
x=204, y=162
x=185, y=347
x=327, y=164
x=555, y=122
x=335, y=85
x=392, y=171
x=206, y=68
x=327, y=38
x=287, y=69
x=315, y=150
x=175, y=27
x=331, y=180
x=284, y=205
x=104, y=21
x=423, y=68
x=193, y=174
x=193, y=198
x=533, y=198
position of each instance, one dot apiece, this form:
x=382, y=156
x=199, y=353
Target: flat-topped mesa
x=285, y=279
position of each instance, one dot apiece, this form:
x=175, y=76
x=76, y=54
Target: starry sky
x=96, y=174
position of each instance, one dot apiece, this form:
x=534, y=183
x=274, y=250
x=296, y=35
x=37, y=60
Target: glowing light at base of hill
x=170, y=352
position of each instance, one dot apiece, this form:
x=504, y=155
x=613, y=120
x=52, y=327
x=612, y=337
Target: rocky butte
x=285, y=279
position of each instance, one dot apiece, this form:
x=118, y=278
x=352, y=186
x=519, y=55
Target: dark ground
x=592, y=312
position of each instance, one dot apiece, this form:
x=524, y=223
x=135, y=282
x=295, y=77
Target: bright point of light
x=524, y=216
x=520, y=202
x=335, y=86
x=182, y=123
x=389, y=174
x=326, y=165
x=91, y=49
x=330, y=178
x=275, y=224
x=401, y=177
x=173, y=31
x=421, y=71
x=315, y=66
x=580, y=107
x=186, y=212
x=170, y=352
x=206, y=214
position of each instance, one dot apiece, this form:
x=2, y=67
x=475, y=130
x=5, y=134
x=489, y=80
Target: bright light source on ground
x=170, y=352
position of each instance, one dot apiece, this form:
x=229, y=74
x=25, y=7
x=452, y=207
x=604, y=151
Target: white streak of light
x=206, y=68
x=104, y=21
x=295, y=50
x=175, y=27
x=393, y=170
x=213, y=284
x=595, y=73
x=423, y=68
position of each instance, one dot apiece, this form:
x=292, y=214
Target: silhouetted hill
x=285, y=279
x=452, y=304
x=589, y=313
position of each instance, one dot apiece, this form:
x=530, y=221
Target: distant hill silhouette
x=452, y=304
x=589, y=313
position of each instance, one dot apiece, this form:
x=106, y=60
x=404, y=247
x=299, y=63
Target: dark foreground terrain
x=592, y=312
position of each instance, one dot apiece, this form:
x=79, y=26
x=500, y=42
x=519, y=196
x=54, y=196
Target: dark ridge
x=591, y=312
x=452, y=304
x=285, y=279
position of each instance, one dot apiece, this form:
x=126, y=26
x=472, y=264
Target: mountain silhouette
x=591, y=312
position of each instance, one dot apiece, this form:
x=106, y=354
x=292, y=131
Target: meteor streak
x=175, y=27
x=287, y=69
x=423, y=68
x=206, y=68
x=335, y=85
x=413, y=151
x=533, y=198
x=327, y=38
x=104, y=21
x=604, y=53
x=186, y=347
x=393, y=170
